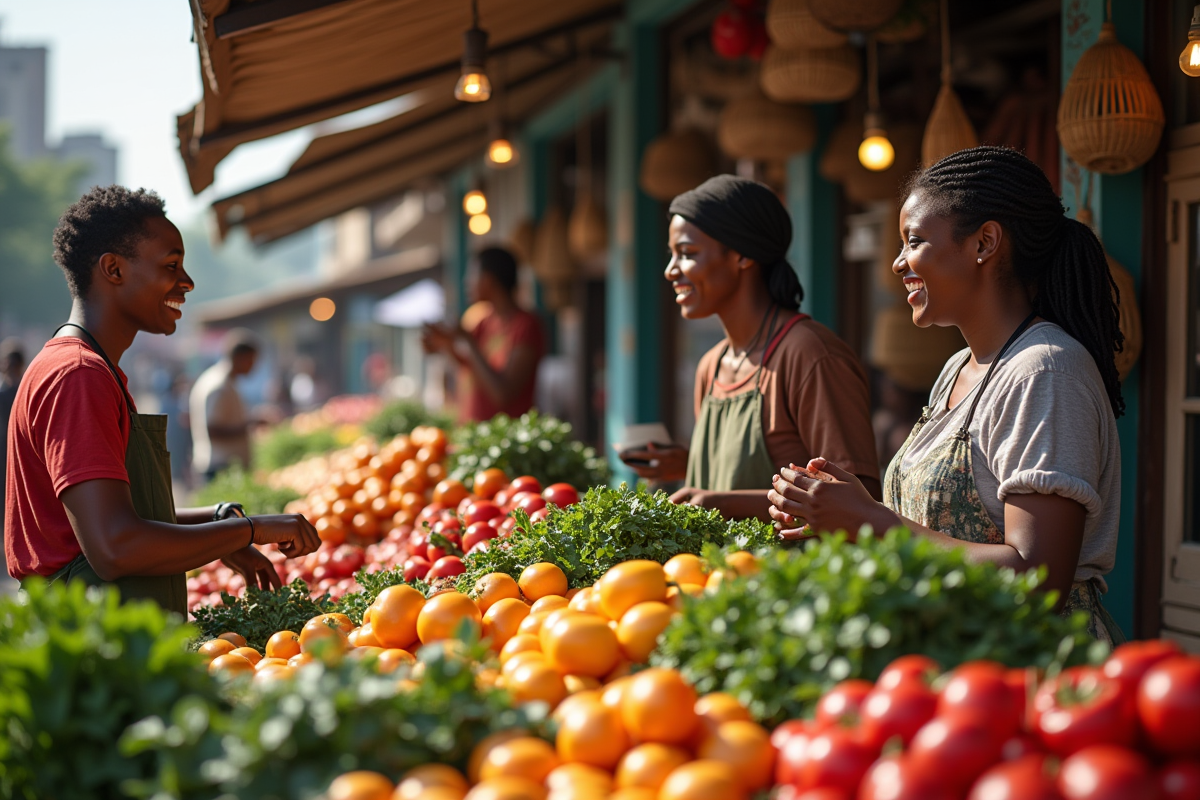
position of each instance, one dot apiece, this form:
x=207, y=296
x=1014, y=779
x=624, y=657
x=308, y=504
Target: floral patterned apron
x=939, y=492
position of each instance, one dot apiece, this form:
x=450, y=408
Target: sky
x=126, y=68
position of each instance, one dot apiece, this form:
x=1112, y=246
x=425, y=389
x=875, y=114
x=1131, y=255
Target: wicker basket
x=793, y=27
x=948, y=129
x=829, y=75
x=587, y=232
x=910, y=24
x=676, y=162
x=854, y=15
x=521, y=241
x=1110, y=118
x=552, y=261
x=865, y=186
x=912, y=357
x=761, y=129
x=841, y=151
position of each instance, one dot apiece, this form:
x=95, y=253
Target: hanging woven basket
x=760, y=129
x=552, y=261
x=587, y=234
x=841, y=151
x=828, y=75
x=676, y=162
x=948, y=129
x=912, y=357
x=792, y=26
x=854, y=15
x=521, y=241
x=1110, y=118
x=910, y=23
x=865, y=186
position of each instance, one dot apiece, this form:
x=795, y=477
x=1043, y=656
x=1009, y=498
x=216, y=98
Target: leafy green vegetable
x=285, y=445
x=608, y=526
x=837, y=610
x=289, y=740
x=235, y=485
x=76, y=669
x=534, y=444
x=259, y=613
x=401, y=416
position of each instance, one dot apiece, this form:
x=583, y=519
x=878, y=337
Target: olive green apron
x=729, y=451
x=149, y=466
x=939, y=492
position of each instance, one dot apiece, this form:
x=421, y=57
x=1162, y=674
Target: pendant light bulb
x=474, y=86
x=479, y=224
x=474, y=203
x=1189, y=59
x=501, y=153
x=875, y=152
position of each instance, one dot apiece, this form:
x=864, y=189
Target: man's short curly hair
x=108, y=219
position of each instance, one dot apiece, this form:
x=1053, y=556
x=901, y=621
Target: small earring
x=979, y=261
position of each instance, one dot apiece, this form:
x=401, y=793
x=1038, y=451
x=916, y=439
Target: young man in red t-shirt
x=69, y=505
x=500, y=354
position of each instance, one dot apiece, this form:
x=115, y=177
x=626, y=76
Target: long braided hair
x=1059, y=260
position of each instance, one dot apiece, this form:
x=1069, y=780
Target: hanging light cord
x=474, y=13
x=872, y=75
x=946, y=42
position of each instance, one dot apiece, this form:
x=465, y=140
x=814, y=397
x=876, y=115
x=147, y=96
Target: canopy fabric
x=340, y=57
x=421, y=303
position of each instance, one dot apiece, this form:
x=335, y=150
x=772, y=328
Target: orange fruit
x=572, y=700
x=299, y=660
x=648, y=765
x=586, y=600
x=634, y=793
x=273, y=674
x=715, y=578
x=716, y=708
x=323, y=629
x=502, y=620
x=742, y=562
x=551, y=602
x=614, y=692
x=417, y=782
x=580, y=644
x=685, y=568
x=216, y=647
x=702, y=780
x=450, y=493
x=658, y=705
x=592, y=733
x=364, y=651
x=520, y=643
x=746, y=747
x=364, y=636
x=341, y=620
x=520, y=659
x=360, y=785
x=630, y=583
x=524, y=757
x=535, y=681
x=492, y=588
x=507, y=787
x=479, y=753
x=639, y=628
x=542, y=579
x=554, y=616
x=532, y=624
x=270, y=662
x=391, y=659
x=444, y=614
x=567, y=779
x=283, y=644
x=235, y=638
x=394, y=616
x=248, y=653
x=582, y=683
x=488, y=482
x=230, y=665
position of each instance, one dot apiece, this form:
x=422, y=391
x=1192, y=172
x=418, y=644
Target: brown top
x=816, y=400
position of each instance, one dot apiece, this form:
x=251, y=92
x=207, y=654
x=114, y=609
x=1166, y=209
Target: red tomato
x=843, y=701
x=1129, y=662
x=447, y=527
x=1081, y=707
x=561, y=495
x=956, y=749
x=1020, y=746
x=506, y=527
x=446, y=567
x=429, y=513
x=791, y=740
x=476, y=533
x=465, y=503
x=914, y=667
x=418, y=540
x=539, y=515
x=416, y=568
x=837, y=758
x=531, y=503
x=824, y=793
x=1168, y=705
x=979, y=691
x=482, y=511
x=434, y=552
x=898, y=712
x=1106, y=772
x=345, y=561
x=1026, y=778
x=525, y=483
x=896, y=778
x=1180, y=780
x=502, y=497
x=785, y=731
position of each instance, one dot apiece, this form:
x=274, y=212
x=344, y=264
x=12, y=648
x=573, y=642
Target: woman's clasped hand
x=823, y=497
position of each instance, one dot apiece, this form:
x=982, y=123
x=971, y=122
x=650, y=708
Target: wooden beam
x=247, y=17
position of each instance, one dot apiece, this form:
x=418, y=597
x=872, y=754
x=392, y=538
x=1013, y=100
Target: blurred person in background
x=12, y=366
x=220, y=422
x=499, y=356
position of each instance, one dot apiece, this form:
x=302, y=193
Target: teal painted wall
x=812, y=201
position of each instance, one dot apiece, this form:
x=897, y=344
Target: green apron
x=149, y=466
x=728, y=450
x=939, y=492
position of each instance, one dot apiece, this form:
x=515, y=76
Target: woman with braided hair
x=1016, y=458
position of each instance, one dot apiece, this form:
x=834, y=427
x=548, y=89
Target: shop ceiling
x=271, y=66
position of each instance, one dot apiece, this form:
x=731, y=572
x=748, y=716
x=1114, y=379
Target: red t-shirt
x=497, y=339
x=69, y=424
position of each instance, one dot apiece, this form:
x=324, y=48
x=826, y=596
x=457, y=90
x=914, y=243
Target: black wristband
x=248, y=519
x=227, y=510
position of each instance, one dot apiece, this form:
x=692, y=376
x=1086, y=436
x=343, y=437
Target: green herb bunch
x=608, y=526
x=285, y=445
x=534, y=444
x=259, y=613
x=76, y=669
x=235, y=484
x=401, y=416
x=836, y=610
x=289, y=740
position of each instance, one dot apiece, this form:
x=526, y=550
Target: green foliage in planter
x=533, y=444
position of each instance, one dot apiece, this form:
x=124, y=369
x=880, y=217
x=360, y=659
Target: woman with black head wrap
x=780, y=388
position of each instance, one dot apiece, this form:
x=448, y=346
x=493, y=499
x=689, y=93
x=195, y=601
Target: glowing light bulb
x=473, y=87
x=501, y=153
x=322, y=309
x=479, y=224
x=876, y=152
x=474, y=203
x=1189, y=59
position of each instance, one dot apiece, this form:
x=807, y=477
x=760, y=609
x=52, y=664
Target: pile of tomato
x=1126, y=730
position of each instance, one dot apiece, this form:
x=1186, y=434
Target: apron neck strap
x=987, y=378
x=95, y=346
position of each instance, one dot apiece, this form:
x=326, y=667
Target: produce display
x=533, y=444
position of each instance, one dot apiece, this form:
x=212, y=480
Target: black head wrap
x=748, y=218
